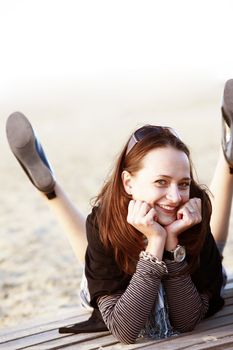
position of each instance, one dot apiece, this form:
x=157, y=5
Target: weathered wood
x=229, y=301
x=81, y=341
x=213, y=333
x=195, y=340
x=32, y=330
x=79, y=314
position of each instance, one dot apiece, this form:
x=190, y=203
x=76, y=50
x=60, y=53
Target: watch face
x=179, y=253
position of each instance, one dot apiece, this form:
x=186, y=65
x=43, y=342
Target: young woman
x=151, y=264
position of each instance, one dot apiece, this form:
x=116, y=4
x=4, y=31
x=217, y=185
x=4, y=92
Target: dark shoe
x=227, y=123
x=29, y=152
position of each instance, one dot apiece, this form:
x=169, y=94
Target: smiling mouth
x=167, y=209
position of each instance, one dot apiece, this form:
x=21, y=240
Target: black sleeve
x=103, y=275
x=208, y=276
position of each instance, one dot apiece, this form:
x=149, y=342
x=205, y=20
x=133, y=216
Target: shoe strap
x=52, y=194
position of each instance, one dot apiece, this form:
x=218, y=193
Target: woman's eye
x=161, y=182
x=184, y=185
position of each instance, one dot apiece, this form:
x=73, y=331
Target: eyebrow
x=169, y=177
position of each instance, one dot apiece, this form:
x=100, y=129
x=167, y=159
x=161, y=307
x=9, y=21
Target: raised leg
x=71, y=219
x=31, y=156
x=222, y=189
x=222, y=182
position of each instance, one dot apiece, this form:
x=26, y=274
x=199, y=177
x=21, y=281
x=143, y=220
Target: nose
x=173, y=194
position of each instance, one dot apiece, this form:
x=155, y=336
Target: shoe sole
x=227, y=126
x=21, y=139
x=228, y=102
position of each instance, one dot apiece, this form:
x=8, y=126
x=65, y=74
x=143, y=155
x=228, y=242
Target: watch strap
x=178, y=254
x=168, y=255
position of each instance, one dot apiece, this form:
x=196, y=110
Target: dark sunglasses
x=147, y=130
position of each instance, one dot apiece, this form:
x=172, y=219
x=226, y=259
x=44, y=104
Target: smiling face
x=163, y=182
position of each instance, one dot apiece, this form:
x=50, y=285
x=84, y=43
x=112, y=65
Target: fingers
x=139, y=207
x=191, y=212
x=151, y=216
x=140, y=213
x=194, y=205
x=143, y=218
x=195, y=209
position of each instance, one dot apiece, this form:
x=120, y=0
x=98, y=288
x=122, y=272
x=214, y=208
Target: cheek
x=149, y=195
x=185, y=197
x=145, y=193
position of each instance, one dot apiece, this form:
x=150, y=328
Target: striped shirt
x=126, y=313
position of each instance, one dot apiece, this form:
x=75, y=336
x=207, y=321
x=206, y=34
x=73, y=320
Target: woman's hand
x=143, y=218
x=188, y=215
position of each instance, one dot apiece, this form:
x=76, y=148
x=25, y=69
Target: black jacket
x=105, y=277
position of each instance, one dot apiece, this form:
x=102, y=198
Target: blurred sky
x=56, y=41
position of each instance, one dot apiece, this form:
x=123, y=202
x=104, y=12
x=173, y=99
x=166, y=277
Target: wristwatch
x=178, y=254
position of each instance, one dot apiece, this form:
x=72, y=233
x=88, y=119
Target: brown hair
x=112, y=203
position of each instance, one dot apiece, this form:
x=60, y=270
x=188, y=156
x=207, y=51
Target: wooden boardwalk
x=213, y=333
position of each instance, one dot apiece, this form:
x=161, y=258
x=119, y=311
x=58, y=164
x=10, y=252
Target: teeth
x=167, y=207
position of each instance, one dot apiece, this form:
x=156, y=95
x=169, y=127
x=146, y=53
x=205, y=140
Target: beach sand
x=82, y=129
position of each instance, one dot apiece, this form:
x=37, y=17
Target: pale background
x=87, y=73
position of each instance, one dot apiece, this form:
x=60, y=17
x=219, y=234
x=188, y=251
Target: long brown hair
x=112, y=202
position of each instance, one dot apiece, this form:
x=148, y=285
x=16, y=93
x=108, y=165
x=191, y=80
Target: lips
x=167, y=209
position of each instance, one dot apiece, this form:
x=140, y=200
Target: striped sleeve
x=126, y=313
x=186, y=305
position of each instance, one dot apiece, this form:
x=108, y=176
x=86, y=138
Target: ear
x=126, y=180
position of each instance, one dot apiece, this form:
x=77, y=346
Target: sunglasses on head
x=147, y=130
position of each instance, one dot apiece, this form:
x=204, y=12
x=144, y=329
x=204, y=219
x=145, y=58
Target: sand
x=82, y=129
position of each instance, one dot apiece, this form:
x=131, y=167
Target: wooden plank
x=141, y=343
x=52, y=341
x=32, y=339
x=229, y=284
x=229, y=301
x=228, y=293
x=210, y=323
x=55, y=341
x=218, y=344
x=43, y=325
x=81, y=342
x=40, y=328
x=45, y=335
x=222, y=319
x=85, y=342
x=193, y=340
x=226, y=310
x=43, y=339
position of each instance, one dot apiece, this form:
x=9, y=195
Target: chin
x=165, y=220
